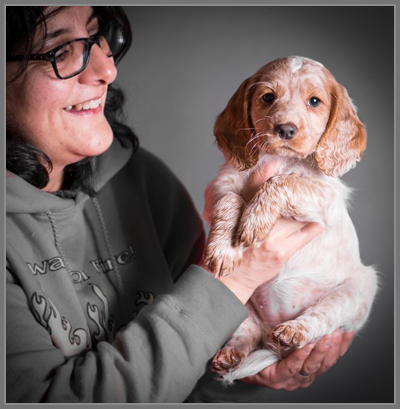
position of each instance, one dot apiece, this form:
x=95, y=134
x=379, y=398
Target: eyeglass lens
x=73, y=57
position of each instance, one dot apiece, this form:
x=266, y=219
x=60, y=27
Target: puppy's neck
x=282, y=164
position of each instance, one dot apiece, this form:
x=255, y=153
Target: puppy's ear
x=233, y=128
x=345, y=138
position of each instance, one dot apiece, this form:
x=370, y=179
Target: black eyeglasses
x=71, y=58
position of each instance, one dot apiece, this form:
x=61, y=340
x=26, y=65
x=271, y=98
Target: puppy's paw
x=252, y=230
x=223, y=259
x=226, y=360
x=291, y=334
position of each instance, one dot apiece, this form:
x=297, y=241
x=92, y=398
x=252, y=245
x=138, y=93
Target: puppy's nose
x=286, y=131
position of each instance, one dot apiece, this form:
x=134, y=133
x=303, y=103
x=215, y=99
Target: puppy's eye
x=314, y=102
x=268, y=97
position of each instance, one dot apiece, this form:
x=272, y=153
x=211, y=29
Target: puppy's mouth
x=273, y=145
x=269, y=141
x=287, y=148
x=289, y=151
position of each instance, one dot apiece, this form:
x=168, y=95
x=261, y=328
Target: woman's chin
x=98, y=143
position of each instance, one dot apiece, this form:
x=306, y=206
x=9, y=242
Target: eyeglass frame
x=50, y=55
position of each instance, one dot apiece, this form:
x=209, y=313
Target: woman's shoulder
x=150, y=168
x=146, y=174
x=143, y=157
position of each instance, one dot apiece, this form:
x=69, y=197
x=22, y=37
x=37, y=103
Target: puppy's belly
x=277, y=303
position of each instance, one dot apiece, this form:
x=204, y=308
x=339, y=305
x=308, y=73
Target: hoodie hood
x=22, y=197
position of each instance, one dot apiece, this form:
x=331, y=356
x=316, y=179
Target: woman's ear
x=344, y=140
x=233, y=128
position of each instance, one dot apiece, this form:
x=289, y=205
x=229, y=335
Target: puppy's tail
x=254, y=363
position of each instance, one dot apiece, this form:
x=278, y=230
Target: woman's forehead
x=61, y=21
x=60, y=17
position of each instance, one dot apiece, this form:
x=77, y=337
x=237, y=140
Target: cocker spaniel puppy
x=293, y=114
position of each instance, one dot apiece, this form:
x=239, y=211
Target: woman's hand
x=264, y=263
x=313, y=360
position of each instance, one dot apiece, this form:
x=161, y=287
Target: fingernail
x=328, y=339
x=336, y=336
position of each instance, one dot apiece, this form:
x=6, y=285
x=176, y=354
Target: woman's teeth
x=85, y=106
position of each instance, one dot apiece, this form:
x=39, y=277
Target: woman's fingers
x=259, y=177
x=315, y=361
x=283, y=229
x=346, y=342
x=302, y=366
x=303, y=236
x=282, y=374
x=294, y=363
x=289, y=236
x=328, y=350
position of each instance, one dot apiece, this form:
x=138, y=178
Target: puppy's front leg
x=221, y=255
x=290, y=196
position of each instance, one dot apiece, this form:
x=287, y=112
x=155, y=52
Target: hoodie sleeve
x=158, y=357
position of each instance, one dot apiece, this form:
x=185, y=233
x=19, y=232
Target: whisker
x=256, y=136
x=264, y=118
x=264, y=145
x=253, y=142
x=253, y=149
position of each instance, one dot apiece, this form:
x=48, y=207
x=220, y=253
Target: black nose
x=286, y=131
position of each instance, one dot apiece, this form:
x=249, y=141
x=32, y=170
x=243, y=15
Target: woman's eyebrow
x=56, y=33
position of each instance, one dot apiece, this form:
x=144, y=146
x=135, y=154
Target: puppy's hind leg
x=245, y=340
x=252, y=365
x=346, y=307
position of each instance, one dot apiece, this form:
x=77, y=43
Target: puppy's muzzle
x=286, y=131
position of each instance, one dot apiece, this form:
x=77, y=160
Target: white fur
x=296, y=63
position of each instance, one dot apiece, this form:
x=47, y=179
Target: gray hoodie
x=103, y=302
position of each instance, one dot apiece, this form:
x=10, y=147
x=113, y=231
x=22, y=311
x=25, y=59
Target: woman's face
x=38, y=103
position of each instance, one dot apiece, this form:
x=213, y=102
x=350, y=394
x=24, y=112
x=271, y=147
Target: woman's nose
x=100, y=67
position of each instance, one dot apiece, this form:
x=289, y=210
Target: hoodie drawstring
x=57, y=241
x=118, y=277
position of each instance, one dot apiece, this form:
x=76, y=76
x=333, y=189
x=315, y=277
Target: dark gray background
x=184, y=65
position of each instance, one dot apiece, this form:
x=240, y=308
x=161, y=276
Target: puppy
x=293, y=114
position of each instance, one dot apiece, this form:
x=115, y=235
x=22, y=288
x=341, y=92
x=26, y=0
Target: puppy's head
x=292, y=107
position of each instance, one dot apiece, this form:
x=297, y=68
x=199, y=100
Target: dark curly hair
x=26, y=160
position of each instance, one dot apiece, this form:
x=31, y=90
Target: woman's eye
x=314, y=102
x=93, y=31
x=62, y=55
x=268, y=97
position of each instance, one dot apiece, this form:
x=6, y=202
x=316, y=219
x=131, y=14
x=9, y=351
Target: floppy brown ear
x=233, y=128
x=345, y=138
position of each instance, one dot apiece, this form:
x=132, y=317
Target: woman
x=107, y=299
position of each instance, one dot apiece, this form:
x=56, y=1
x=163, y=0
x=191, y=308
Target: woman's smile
x=85, y=106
